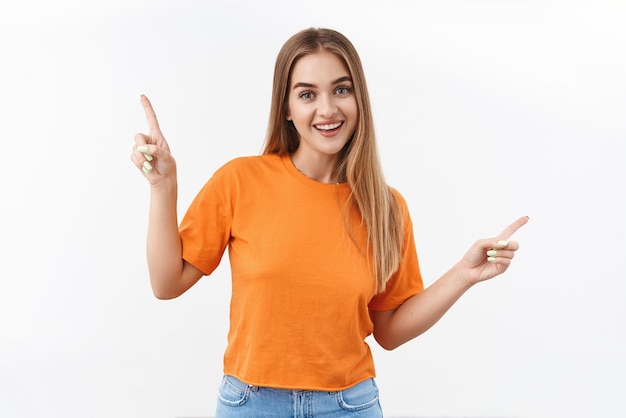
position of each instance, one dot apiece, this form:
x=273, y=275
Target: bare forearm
x=163, y=247
x=485, y=259
x=416, y=315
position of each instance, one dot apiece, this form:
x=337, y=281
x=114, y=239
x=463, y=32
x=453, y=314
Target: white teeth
x=328, y=127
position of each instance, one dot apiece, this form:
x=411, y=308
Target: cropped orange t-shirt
x=301, y=283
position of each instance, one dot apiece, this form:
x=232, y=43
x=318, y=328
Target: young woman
x=321, y=248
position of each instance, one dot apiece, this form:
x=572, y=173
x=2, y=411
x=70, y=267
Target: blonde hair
x=359, y=163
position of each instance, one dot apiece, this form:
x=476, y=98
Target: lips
x=328, y=127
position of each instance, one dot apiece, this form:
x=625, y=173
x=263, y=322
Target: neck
x=323, y=170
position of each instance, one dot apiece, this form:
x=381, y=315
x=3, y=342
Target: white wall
x=485, y=111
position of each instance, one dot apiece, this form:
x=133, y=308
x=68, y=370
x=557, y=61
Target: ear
x=288, y=117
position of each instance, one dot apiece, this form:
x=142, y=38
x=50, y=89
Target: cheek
x=353, y=111
x=354, y=116
x=298, y=116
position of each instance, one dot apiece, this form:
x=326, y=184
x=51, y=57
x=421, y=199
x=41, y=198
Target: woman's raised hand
x=490, y=257
x=151, y=154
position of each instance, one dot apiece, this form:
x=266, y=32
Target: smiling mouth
x=328, y=127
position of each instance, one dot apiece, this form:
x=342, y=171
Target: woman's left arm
x=486, y=259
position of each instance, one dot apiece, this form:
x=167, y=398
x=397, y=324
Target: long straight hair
x=359, y=163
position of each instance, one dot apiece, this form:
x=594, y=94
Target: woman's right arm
x=170, y=275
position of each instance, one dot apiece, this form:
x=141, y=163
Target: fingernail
x=145, y=170
x=503, y=243
x=147, y=165
x=492, y=253
x=148, y=157
x=142, y=148
x=491, y=259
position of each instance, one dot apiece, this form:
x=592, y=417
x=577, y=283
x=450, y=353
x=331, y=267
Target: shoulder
x=403, y=207
x=241, y=174
x=397, y=194
x=399, y=198
x=248, y=167
x=253, y=162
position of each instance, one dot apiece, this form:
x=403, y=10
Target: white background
x=485, y=111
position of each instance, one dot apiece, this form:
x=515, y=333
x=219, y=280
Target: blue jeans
x=240, y=400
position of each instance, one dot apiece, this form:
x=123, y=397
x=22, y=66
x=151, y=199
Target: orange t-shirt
x=301, y=287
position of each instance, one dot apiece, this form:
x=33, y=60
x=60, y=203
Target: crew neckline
x=299, y=176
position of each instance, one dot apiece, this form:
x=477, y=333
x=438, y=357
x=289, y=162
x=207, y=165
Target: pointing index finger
x=511, y=229
x=153, y=123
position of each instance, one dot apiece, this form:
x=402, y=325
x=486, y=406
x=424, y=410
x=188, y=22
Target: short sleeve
x=205, y=228
x=407, y=280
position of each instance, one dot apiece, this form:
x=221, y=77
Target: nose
x=326, y=107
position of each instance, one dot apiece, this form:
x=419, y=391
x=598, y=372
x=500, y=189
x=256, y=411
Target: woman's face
x=322, y=105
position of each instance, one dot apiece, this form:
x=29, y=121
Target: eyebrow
x=309, y=85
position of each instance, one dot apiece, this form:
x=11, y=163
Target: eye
x=306, y=95
x=343, y=90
